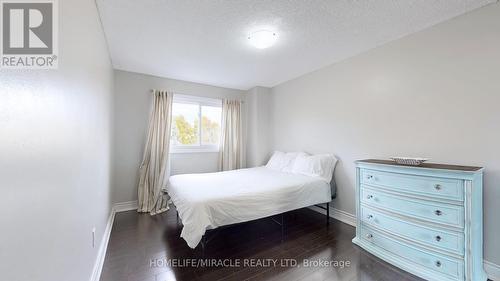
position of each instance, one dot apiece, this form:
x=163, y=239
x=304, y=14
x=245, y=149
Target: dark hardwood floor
x=141, y=246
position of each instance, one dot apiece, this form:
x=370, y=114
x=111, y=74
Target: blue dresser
x=427, y=220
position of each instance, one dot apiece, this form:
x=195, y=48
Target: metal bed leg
x=327, y=213
x=282, y=228
x=203, y=244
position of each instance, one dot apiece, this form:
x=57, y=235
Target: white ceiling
x=205, y=41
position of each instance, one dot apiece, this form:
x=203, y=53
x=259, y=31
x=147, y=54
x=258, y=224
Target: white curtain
x=231, y=150
x=154, y=170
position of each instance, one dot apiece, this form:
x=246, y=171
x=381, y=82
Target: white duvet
x=207, y=201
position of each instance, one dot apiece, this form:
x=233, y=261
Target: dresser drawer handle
x=438, y=212
x=369, y=177
x=437, y=187
x=369, y=197
x=369, y=236
x=370, y=217
x=438, y=263
x=438, y=238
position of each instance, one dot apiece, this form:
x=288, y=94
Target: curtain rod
x=180, y=93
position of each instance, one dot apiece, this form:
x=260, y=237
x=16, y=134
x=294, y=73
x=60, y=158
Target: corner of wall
x=258, y=125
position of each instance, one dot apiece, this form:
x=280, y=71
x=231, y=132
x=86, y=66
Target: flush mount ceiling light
x=262, y=39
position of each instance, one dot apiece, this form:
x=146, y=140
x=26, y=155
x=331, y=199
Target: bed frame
x=204, y=241
x=281, y=222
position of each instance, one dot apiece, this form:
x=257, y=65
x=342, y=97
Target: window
x=196, y=124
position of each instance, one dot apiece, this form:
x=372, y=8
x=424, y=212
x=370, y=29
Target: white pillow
x=281, y=161
x=277, y=161
x=289, y=160
x=321, y=165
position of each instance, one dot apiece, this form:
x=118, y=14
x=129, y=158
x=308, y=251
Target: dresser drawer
x=446, y=240
x=450, y=267
x=451, y=215
x=428, y=186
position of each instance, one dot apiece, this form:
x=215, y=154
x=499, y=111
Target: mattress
x=210, y=200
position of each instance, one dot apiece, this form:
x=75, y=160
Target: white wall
x=55, y=155
x=258, y=126
x=133, y=100
x=435, y=94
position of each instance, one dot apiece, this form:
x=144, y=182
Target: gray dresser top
x=424, y=165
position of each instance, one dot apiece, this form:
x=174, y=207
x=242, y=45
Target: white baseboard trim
x=337, y=214
x=492, y=270
x=101, y=254
x=125, y=206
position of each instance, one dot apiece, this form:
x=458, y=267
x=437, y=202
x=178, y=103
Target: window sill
x=193, y=150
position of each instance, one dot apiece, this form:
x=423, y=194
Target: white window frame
x=200, y=101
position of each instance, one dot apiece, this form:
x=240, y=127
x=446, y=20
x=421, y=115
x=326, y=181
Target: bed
x=211, y=200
